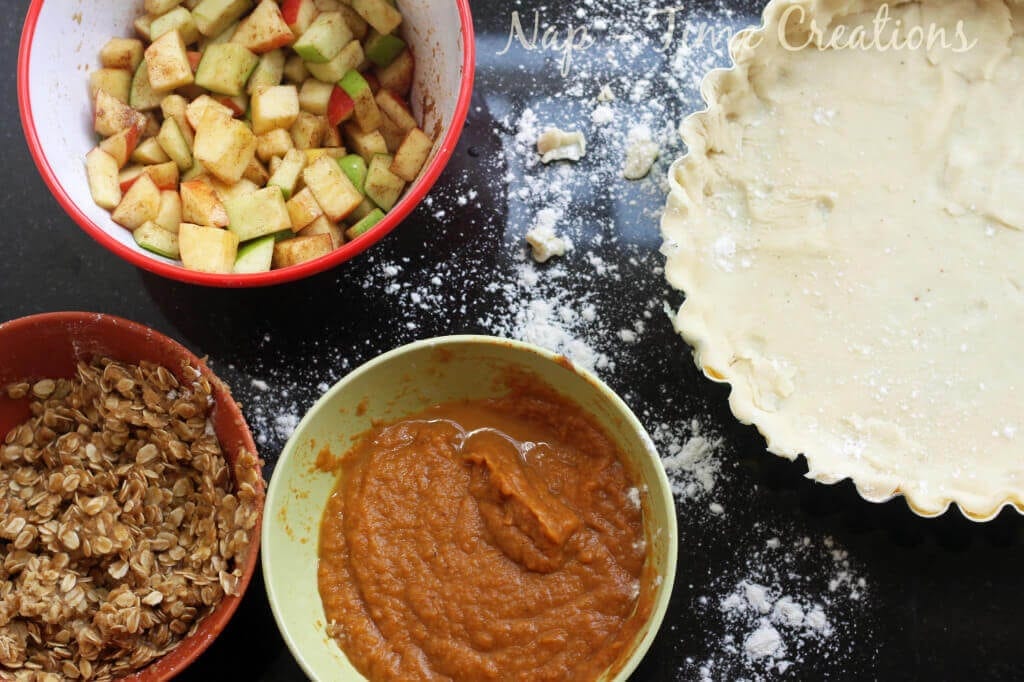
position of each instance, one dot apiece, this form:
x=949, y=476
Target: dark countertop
x=940, y=597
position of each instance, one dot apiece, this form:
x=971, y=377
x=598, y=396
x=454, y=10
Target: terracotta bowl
x=50, y=345
x=60, y=45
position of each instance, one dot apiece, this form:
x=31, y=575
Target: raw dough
x=847, y=227
x=555, y=144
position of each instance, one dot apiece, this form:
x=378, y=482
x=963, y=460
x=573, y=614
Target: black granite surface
x=942, y=597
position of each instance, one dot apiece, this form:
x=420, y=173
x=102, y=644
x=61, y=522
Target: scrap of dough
x=560, y=145
x=847, y=227
x=605, y=94
x=545, y=243
x=640, y=156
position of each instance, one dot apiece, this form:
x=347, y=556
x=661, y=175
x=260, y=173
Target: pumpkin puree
x=485, y=540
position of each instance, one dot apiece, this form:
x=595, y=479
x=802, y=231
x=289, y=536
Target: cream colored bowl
x=402, y=382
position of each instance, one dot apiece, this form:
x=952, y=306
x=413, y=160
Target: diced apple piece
x=111, y=115
x=175, y=106
x=392, y=106
x=157, y=7
x=116, y=82
x=207, y=249
x=367, y=114
x=314, y=96
x=128, y=175
x=174, y=144
x=254, y=256
x=301, y=249
x=354, y=167
x=169, y=216
x=178, y=19
x=101, y=170
x=364, y=144
x=356, y=23
x=213, y=16
x=333, y=190
x=269, y=71
x=164, y=175
x=340, y=107
x=122, y=53
x=153, y=238
x=274, y=143
x=257, y=214
x=295, y=70
x=139, y=204
x=120, y=145
x=143, y=24
x=383, y=186
x=150, y=124
x=167, y=64
x=298, y=14
x=149, y=151
x=236, y=190
x=222, y=37
x=324, y=38
x=196, y=172
x=201, y=205
x=332, y=139
x=142, y=96
x=225, y=147
x=323, y=226
x=381, y=49
x=239, y=104
x=256, y=173
x=412, y=154
x=365, y=223
x=274, y=107
x=378, y=13
x=314, y=155
x=393, y=135
x=362, y=210
x=397, y=76
x=308, y=130
x=286, y=175
x=263, y=30
x=303, y=209
x=198, y=108
x=225, y=68
x=350, y=57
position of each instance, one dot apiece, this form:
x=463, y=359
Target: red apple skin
x=372, y=81
x=281, y=40
x=127, y=183
x=339, y=107
x=230, y=104
x=291, y=11
x=193, y=59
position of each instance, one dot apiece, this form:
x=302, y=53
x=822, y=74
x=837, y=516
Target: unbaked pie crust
x=848, y=227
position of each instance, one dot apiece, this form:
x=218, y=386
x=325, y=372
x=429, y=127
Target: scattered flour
x=786, y=602
x=691, y=459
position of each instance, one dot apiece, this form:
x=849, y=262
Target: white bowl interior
x=66, y=47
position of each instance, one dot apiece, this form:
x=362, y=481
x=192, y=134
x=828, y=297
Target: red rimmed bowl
x=60, y=45
x=50, y=345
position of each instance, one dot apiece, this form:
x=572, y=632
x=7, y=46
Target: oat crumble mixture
x=122, y=525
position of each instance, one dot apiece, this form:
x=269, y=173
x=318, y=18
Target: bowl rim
x=347, y=251
x=661, y=487
x=222, y=614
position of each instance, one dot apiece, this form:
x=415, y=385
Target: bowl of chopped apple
x=243, y=142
